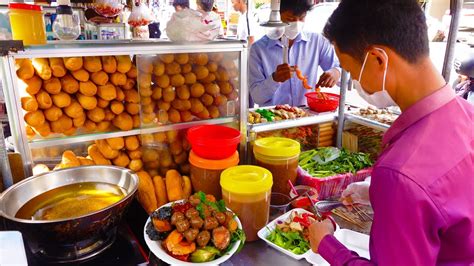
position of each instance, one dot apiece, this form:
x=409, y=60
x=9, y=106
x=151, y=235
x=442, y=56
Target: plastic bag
x=141, y=16
x=108, y=8
x=193, y=26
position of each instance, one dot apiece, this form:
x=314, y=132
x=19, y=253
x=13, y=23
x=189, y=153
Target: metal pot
x=75, y=239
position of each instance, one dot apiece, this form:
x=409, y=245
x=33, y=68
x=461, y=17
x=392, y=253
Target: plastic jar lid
x=25, y=6
x=277, y=147
x=214, y=164
x=246, y=179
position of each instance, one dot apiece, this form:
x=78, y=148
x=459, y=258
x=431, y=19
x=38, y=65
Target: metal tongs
x=321, y=208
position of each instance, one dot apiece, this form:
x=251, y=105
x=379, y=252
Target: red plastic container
x=319, y=105
x=213, y=142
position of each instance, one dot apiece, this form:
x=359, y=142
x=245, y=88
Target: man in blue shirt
x=270, y=81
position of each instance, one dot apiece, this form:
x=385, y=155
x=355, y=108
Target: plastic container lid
x=24, y=6
x=277, y=147
x=214, y=164
x=246, y=179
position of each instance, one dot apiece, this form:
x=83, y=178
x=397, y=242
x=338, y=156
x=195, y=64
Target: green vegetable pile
x=267, y=114
x=347, y=162
x=292, y=241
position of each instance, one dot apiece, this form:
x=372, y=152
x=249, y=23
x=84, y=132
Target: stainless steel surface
x=366, y=122
x=244, y=103
x=455, y=7
x=315, y=118
x=7, y=177
x=345, y=85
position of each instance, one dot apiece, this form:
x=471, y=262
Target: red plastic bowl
x=213, y=142
x=319, y=105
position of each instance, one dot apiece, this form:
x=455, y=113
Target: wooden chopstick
x=362, y=213
x=347, y=218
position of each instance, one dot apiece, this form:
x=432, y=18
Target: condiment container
x=206, y=174
x=246, y=190
x=280, y=156
x=27, y=23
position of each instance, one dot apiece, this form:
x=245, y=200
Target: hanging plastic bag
x=141, y=16
x=108, y=8
x=192, y=26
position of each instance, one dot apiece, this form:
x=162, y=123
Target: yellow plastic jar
x=246, y=190
x=280, y=156
x=27, y=23
x=206, y=174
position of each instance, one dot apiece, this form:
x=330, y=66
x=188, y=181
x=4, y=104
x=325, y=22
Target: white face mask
x=292, y=30
x=275, y=33
x=380, y=99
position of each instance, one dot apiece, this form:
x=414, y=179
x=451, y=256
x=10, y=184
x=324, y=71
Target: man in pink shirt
x=422, y=187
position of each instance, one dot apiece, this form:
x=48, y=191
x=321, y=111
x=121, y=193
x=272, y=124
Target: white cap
x=64, y=2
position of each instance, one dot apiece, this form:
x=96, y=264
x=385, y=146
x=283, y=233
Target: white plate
x=157, y=249
x=352, y=240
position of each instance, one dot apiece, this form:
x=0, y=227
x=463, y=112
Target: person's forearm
x=337, y=254
x=262, y=91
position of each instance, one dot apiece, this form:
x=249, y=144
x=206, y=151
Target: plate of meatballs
x=199, y=229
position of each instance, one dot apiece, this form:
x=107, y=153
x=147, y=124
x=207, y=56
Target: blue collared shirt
x=308, y=51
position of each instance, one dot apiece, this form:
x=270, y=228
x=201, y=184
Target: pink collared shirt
x=422, y=189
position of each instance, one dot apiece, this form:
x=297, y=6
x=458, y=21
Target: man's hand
x=329, y=78
x=317, y=231
x=282, y=73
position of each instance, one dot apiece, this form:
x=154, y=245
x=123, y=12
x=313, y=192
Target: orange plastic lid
x=214, y=164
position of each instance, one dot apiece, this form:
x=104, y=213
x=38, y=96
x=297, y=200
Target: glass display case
x=130, y=100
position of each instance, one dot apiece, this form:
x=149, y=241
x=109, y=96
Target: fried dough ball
x=92, y=64
x=165, y=106
x=146, y=92
x=74, y=110
x=96, y=155
x=102, y=103
x=163, y=81
x=53, y=114
x=107, y=92
x=150, y=155
x=156, y=94
x=213, y=111
x=220, y=100
x=109, y=115
x=197, y=90
x=196, y=106
x=44, y=99
x=70, y=132
x=132, y=108
x=116, y=143
x=123, y=121
x=186, y=116
x=124, y=63
x=177, y=80
x=30, y=133
x=173, y=68
x=33, y=85
x=117, y=107
x=57, y=66
x=212, y=66
x=201, y=72
x=181, y=58
x=69, y=84
x=120, y=94
x=200, y=59
x=204, y=114
x=106, y=150
x=52, y=86
x=136, y=154
x=61, y=125
x=183, y=92
x=233, y=95
x=79, y=121
x=174, y=116
x=145, y=100
x=35, y=118
x=212, y=89
x=73, y=63
x=87, y=88
x=119, y=79
x=135, y=165
x=186, y=68
x=96, y=115
x=144, y=80
x=163, y=117
x=103, y=126
x=207, y=99
x=166, y=58
x=225, y=87
x=132, y=73
x=87, y=102
x=129, y=84
x=147, y=109
x=80, y=75
x=44, y=130
x=132, y=143
x=169, y=94
x=222, y=75
x=122, y=160
x=136, y=121
x=131, y=96
x=210, y=78
x=109, y=64
x=158, y=68
x=29, y=104
x=61, y=100
x=90, y=126
x=100, y=78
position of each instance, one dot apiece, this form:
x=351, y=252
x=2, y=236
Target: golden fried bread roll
x=85, y=161
x=132, y=108
x=123, y=121
x=32, y=85
x=197, y=90
x=97, y=156
x=177, y=80
x=74, y=110
x=132, y=73
x=70, y=132
x=132, y=143
x=181, y=58
x=116, y=143
x=61, y=99
x=129, y=84
x=92, y=64
x=103, y=126
x=96, y=115
x=24, y=69
x=124, y=63
x=69, y=159
x=90, y=126
x=30, y=133
x=117, y=107
x=107, y=92
x=109, y=115
x=44, y=129
x=42, y=69
x=44, y=99
x=53, y=113
x=120, y=94
x=173, y=68
x=163, y=81
x=136, y=154
x=35, y=118
x=69, y=84
x=88, y=88
x=132, y=96
x=122, y=160
x=100, y=78
x=106, y=150
x=102, y=103
x=87, y=102
x=29, y=104
x=109, y=64
x=61, y=125
x=119, y=79
x=57, y=66
x=79, y=121
x=158, y=68
x=146, y=192
x=80, y=75
x=73, y=63
x=52, y=86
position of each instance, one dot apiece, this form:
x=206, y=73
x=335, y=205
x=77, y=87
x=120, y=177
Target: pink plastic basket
x=332, y=186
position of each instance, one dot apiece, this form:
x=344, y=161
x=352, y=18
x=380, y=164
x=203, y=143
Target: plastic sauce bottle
x=246, y=190
x=27, y=23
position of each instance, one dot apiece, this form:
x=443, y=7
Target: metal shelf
x=315, y=118
x=43, y=143
x=366, y=122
